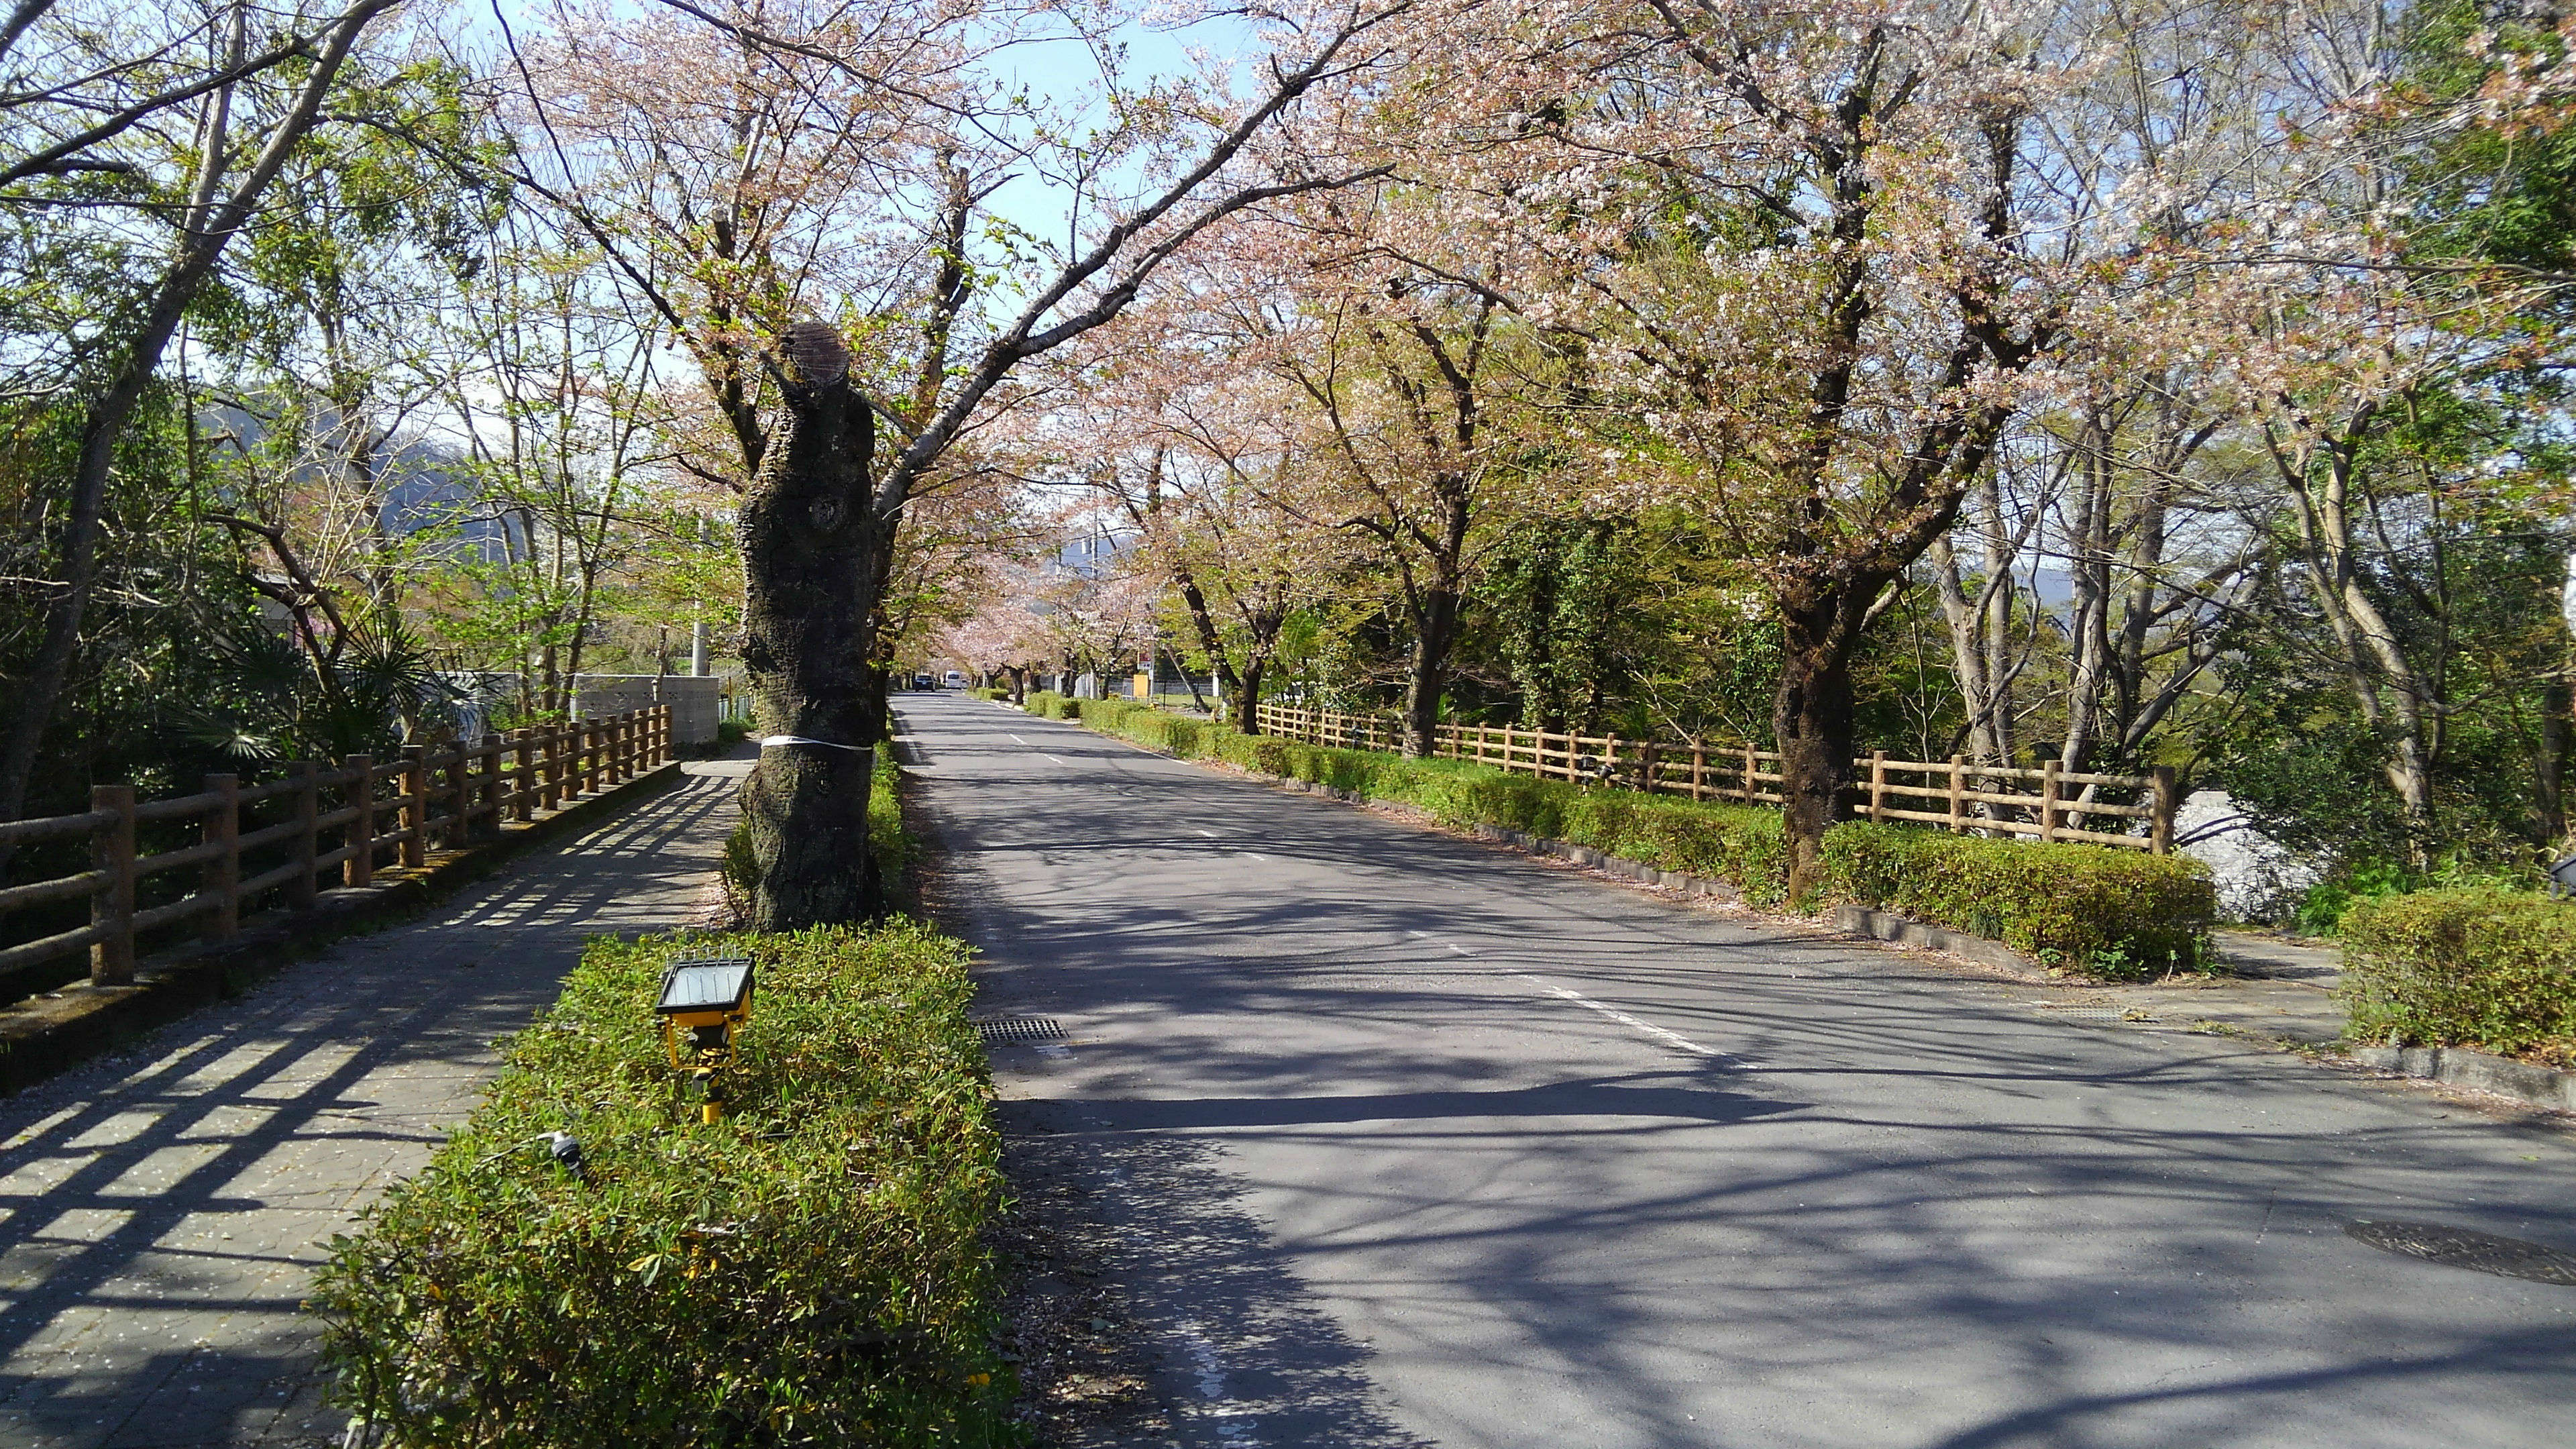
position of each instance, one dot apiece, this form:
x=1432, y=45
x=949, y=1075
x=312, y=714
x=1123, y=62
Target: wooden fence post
x=415, y=809
x=223, y=873
x=2160, y=824
x=360, y=868
x=2048, y=801
x=1699, y=769
x=554, y=767
x=490, y=804
x=111, y=957
x=1646, y=767
x=1878, y=784
x=523, y=773
x=301, y=887
x=1958, y=795
x=1749, y=790
x=460, y=795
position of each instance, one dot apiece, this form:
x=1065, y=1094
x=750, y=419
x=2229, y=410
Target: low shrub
x=1047, y=704
x=2472, y=966
x=2115, y=913
x=2110, y=912
x=808, y=1271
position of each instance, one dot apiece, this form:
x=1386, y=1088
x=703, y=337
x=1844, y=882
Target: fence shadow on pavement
x=164, y=1209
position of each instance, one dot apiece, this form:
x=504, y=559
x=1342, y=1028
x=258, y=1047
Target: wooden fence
x=432, y=796
x=2046, y=803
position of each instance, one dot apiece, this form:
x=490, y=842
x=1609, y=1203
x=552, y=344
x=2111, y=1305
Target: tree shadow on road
x=1217, y=1342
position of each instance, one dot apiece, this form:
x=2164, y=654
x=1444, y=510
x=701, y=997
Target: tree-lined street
x=1411, y=1139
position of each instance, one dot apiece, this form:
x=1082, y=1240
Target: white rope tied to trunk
x=772, y=741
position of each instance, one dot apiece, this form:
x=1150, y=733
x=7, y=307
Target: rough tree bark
x=811, y=554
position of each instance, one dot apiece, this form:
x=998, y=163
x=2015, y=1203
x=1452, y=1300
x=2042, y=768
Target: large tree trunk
x=1246, y=699
x=1435, y=634
x=1812, y=720
x=813, y=564
x=2557, y=742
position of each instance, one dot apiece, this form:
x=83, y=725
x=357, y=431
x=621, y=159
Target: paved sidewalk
x=161, y=1212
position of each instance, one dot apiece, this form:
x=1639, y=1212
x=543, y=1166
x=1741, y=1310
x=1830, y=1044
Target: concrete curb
x=2459, y=1067
x=1906, y=931
x=47, y=1034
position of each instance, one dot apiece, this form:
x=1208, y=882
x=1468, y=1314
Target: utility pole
x=698, y=625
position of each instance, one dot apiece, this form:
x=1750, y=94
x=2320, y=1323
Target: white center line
x=1015, y=739
x=1672, y=1039
x=1210, y=834
x=1256, y=855
x=1051, y=757
x=1461, y=950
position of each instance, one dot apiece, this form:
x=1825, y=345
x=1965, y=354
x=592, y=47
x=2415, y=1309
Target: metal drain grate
x=2468, y=1248
x=2080, y=1013
x=1019, y=1029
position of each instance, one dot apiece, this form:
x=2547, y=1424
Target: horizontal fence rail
x=2047, y=804
x=338, y=825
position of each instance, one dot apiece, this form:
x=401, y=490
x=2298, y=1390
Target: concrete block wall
x=694, y=700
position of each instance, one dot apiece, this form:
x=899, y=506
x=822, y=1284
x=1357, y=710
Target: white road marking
x=1210, y=834
x=1015, y=739
x=1461, y=950
x=1060, y=762
x=1672, y=1039
x=1417, y=933
x=1256, y=855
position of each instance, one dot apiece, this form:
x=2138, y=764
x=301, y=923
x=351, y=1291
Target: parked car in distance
x=955, y=680
x=921, y=681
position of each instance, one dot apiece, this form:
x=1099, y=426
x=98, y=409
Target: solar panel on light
x=708, y=984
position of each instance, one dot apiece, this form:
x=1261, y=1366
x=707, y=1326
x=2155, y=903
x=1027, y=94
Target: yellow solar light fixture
x=708, y=998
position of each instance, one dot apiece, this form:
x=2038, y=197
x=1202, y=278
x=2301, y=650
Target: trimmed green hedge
x=2119, y=913
x=808, y=1271
x=1047, y=704
x=2475, y=966
x=2115, y=913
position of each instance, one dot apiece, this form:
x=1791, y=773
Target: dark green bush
x=2109, y=912
x=1047, y=704
x=808, y=1271
x=2117, y=913
x=2475, y=966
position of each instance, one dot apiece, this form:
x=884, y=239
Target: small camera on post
x=705, y=1001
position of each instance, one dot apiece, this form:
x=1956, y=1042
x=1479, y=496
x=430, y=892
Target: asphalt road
x=1412, y=1140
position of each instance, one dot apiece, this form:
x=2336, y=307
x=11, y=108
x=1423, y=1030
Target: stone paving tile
x=161, y=1212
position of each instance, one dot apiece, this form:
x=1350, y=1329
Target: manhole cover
x=1019, y=1028
x=2468, y=1248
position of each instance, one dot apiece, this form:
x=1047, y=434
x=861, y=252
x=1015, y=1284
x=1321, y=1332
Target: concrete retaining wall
x=695, y=700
